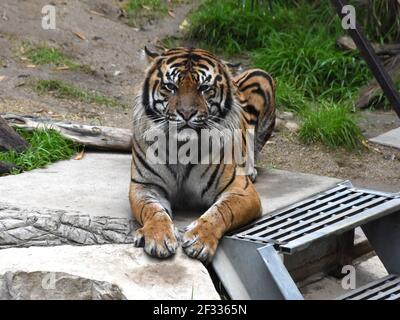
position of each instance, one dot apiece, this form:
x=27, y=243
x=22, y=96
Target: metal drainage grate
x=331, y=212
x=387, y=288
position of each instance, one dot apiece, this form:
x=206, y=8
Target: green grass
x=45, y=55
x=141, y=11
x=46, y=146
x=64, y=90
x=295, y=43
x=331, y=124
x=310, y=62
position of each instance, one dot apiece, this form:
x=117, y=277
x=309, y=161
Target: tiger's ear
x=150, y=54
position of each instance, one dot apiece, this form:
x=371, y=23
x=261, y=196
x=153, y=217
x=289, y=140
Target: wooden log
x=384, y=51
x=10, y=140
x=372, y=90
x=98, y=137
x=6, y=167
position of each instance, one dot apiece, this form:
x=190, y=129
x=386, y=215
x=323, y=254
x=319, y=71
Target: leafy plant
x=46, y=146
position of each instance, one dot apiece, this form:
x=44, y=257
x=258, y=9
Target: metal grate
x=331, y=212
x=387, y=288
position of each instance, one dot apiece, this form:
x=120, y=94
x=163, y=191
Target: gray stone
x=367, y=269
x=390, y=138
x=292, y=126
x=110, y=267
x=41, y=285
x=24, y=227
x=286, y=115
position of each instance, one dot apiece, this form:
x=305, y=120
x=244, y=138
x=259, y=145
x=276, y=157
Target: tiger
x=192, y=88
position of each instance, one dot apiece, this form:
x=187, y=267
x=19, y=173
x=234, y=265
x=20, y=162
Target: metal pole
x=372, y=60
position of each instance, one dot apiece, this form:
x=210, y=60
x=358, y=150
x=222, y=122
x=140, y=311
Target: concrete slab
x=390, y=138
x=137, y=275
x=327, y=288
x=98, y=185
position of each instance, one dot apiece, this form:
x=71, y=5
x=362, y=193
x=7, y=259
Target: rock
x=286, y=115
x=292, y=126
x=24, y=227
x=113, y=270
x=279, y=124
x=6, y=167
x=346, y=43
x=42, y=285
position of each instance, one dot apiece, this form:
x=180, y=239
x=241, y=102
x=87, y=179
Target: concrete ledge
x=389, y=139
x=137, y=275
x=98, y=186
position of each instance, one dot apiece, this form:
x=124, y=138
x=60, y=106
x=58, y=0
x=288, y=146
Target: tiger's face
x=188, y=88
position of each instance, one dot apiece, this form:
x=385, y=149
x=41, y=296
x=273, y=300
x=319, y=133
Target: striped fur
x=193, y=88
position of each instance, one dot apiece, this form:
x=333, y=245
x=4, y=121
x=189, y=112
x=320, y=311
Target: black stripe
x=150, y=184
x=247, y=182
x=227, y=185
x=220, y=175
x=210, y=181
x=145, y=164
x=263, y=74
x=251, y=110
x=136, y=166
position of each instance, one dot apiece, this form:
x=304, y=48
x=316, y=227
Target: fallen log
x=369, y=93
x=10, y=140
x=384, y=51
x=97, y=137
x=6, y=167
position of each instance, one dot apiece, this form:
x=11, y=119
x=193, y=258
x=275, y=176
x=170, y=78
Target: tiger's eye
x=204, y=88
x=170, y=87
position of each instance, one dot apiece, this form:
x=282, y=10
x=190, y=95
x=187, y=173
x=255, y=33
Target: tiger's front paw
x=159, y=238
x=200, y=242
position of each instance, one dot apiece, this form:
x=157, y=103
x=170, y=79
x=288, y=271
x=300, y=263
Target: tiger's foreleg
x=236, y=206
x=158, y=234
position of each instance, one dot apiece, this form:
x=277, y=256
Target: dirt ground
x=113, y=50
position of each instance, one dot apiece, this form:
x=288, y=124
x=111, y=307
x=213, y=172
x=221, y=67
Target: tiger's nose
x=187, y=114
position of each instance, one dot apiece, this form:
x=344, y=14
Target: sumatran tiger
x=192, y=88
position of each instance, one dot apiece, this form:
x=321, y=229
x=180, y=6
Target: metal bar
x=368, y=287
x=344, y=225
x=248, y=273
x=372, y=60
x=318, y=223
x=279, y=273
x=371, y=293
x=291, y=208
x=384, y=236
x=368, y=294
x=394, y=297
x=312, y=216
x=387, y=293
x=283, y=220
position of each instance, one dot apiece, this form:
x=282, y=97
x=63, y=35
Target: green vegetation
x=64, y=90
x=46, y=146
x=380, y=19
x=139, y=11
x=46, y=55
x=330, y=124
x=296, y=44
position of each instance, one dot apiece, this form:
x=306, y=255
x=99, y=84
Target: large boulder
x=111, y=271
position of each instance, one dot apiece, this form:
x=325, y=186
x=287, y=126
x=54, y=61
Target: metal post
x=372, y=60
